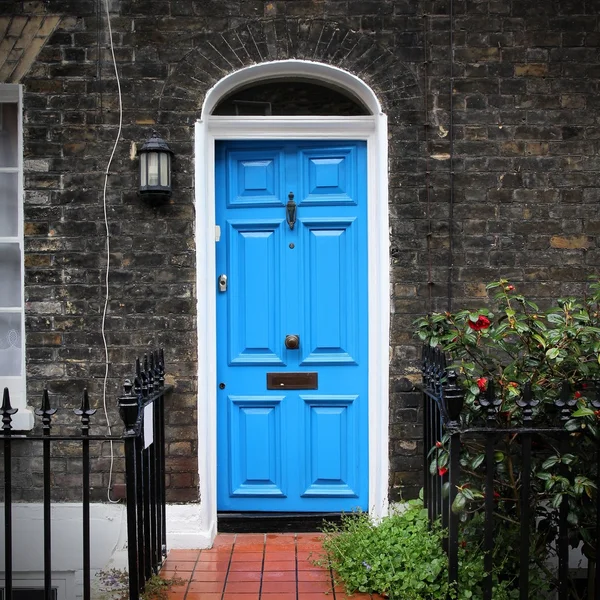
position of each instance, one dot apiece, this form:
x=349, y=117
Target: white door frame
x=372, y=129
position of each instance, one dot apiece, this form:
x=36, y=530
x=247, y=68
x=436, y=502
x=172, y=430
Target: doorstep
x=272, y=566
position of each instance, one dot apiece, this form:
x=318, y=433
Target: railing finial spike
x=46, y=411
x=7, y=411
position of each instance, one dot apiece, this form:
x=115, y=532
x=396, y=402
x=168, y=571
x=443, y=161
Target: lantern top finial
x=156, y=144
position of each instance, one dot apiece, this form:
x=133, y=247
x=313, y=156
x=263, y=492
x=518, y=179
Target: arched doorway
x=367, y=130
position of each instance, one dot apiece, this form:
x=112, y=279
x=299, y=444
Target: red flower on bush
x=442, y=471
x=577, y=394
x=482, y=384
x=482, y=323
x=439, y=445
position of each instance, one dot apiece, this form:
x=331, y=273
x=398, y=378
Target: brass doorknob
x=292, y=342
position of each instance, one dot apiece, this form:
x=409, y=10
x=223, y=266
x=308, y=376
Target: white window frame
x=23, y=419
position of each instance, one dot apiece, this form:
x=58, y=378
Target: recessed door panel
x=254, y=292
x=292, y=335
x=331, y=466
x=255, y=177
x=329, y=175
x=256, y=450
x=331, y=292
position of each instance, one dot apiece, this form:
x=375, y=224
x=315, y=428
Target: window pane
x=8, y=135
x=10, y=345
x=9, y=209
x=152, y=168
x=164, y=169
x=10, y=275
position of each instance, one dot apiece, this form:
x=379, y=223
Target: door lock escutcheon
x=292, y=342
x=222, y=283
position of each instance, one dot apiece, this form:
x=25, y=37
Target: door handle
x=222, y=283
x=292, y=341
x=290, y=211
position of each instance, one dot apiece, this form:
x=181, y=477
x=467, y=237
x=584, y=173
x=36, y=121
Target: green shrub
x=402, y=557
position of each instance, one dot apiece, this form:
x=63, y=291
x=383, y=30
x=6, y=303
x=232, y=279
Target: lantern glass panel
x=164, y=169
x=152, y=169
x=143, y=170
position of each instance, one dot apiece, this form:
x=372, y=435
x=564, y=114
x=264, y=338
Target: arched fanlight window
x=283, y=97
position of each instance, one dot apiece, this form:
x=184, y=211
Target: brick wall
x=521, y=141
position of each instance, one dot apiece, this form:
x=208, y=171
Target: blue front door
x=292, y=359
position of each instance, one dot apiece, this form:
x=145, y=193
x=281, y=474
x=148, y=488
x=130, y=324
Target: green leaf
x=583, y=412
x=572, y=425
x=552, y=353
x=478, y=460
x=459, y=503
x=550, y=462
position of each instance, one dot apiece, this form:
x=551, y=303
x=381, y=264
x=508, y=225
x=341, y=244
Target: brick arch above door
x=218, y=54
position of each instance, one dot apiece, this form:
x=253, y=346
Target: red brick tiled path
x=254, y=567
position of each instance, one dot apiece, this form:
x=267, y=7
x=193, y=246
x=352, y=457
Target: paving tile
x=243, y=539
x=207, y=587
x=246, y=556
x=242, y=587
x=175, y=595
x=280, y=565
x=255, y=565
x=272, y=587
x=250, y=547
x=280, y=554
x=278, y=596
x=215, y=552
x=314, y=586
x=236, y=596
x=279, y=576
x=203, y=596
x=313, y=596
x=216, y=565
x=281, y=539
x=209, y=576
x=224, y=539
x=179, y=554
x=170, y=573
x=316, y=575
x=172, y=564
x=244, y=576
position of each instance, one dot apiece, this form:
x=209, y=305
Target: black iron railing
x=142, y=410
x=442, y=408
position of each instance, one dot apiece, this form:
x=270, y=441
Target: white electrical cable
x=106, y=298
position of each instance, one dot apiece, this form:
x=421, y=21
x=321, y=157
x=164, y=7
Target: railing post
x=7, y=412
x=46, y=413
x=596, y=405
x=129, y=409
x=565, y=403
x=527, y=403
x=490, y=403
x=85, y=412
x=452, y=403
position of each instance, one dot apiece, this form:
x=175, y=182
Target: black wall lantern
x=155, y=169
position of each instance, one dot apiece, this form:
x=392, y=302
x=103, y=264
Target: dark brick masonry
x=524, y=96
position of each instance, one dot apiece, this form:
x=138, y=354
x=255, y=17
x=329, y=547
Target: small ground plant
x=115, y=585
x=402, y=557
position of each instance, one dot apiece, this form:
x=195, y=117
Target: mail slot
x=292, y=381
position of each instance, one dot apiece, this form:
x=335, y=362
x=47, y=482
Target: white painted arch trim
x=372, y=129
